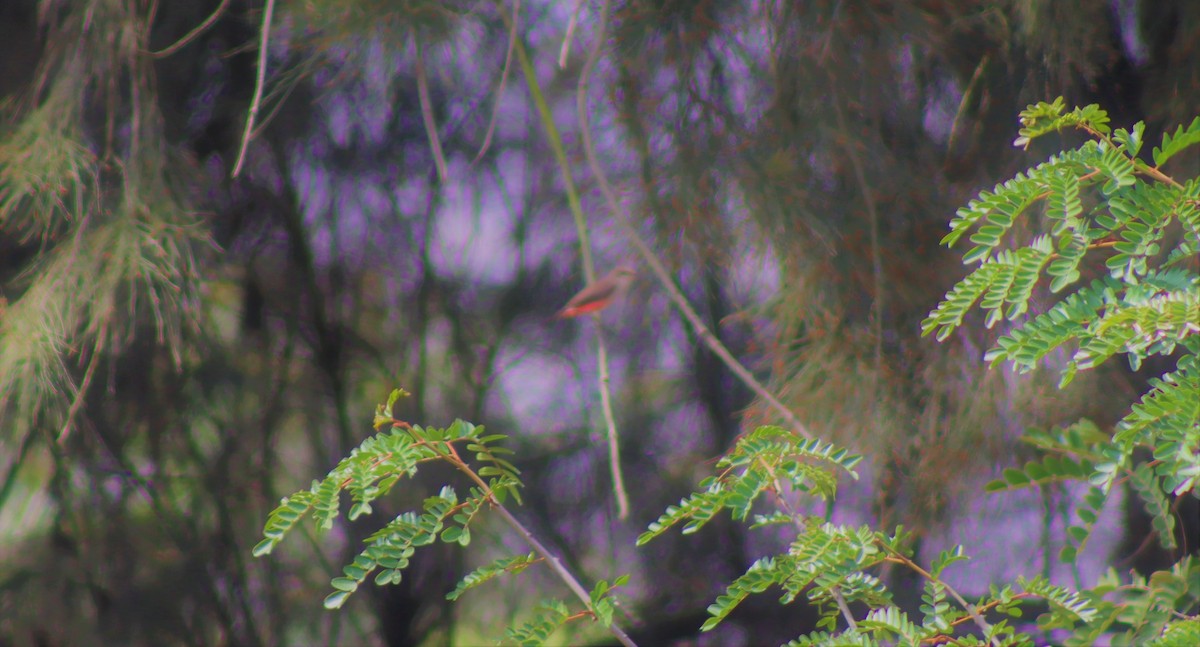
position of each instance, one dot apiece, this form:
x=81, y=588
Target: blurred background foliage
x=180, y=347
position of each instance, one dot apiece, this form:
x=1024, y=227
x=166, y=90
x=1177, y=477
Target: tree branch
x=435, y=144
x=258, y=86
x=551, y=559
x=508, y=56
x=614, y=452
x=191, y=35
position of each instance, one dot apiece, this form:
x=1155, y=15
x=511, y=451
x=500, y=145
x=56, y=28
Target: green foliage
x=1098, y=199
x=1166, y=419
x=548, y=616
x=1183, y=633
x=1142, y=299
x=1045, y=118
x=1142, y=307
x=763, y=460
x=1134, y=610
x=829, y=564
x=390, y=548
x=1041, y=473
x=514, y=564
x=891, y=624
x=1144, y=227
x=45, y=175
x=1149, y=487
x=376, y=466
x=824, y=639
x=602, y=603
x=1173, y=143
x=1066, y=606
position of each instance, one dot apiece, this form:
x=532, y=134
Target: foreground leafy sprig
x=833, y=566
x=1144, y=227
x=762, y=461
x=1135, y=229
x=377, y=465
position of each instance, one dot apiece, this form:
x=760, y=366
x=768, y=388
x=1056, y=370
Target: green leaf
x=1174, y=143
x=757, y=579
x=336, y=599
x=1131, y=140
x=548, y=616
x=1149, y=489
x=264, y=547
x=344, y=584
x=505, y=565
x=947, y=557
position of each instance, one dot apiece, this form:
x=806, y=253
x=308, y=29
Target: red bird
x=600, y=294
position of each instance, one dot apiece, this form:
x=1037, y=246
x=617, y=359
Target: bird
x=598, y=295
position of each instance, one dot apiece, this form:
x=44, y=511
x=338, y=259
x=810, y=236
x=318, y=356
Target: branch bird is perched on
x=600, y=294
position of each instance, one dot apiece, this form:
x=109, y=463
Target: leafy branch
x=378, y=464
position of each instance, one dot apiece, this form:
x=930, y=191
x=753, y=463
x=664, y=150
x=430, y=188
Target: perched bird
x=600, y=294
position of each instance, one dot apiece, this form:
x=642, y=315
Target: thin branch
x=258, y=86
x=845, y=608
x=287, y=83
x=787, y=508
x=508, y=56
x=610, y=423
x=660, y=271
x=614, y=451
x=81, y=393
x=560, y=155
x=967, y=606
x=266, y=121
x=435, y=145
x=552, y=560
x=698, y=325
x=828, y=34
x=191, y=35
x=566, y=46
x=559, y=569
x=962, y=104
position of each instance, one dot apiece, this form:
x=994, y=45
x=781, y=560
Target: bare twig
x=610, y=423
x=566, y=46
x=84, y=385
x=283, y=97
x=613, y=443
x=538, y=547
x=508, y=56
x=268, y=11
x=614, y=450
x=967, y=606
x=962, y=104
x=845, y=608
x=191, y=35
x=435, y=144
x=559, y=570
